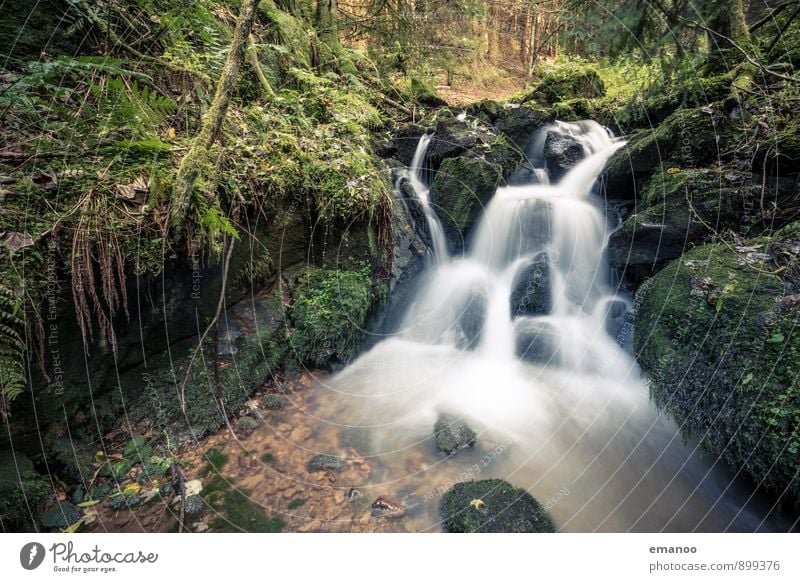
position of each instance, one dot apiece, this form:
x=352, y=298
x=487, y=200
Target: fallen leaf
x=15, y=240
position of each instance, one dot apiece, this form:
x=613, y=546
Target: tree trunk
x=196, y=160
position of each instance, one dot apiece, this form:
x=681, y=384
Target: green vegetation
x=329, y=314
x=716, y=333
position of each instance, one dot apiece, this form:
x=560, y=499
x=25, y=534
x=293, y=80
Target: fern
x=12, y=345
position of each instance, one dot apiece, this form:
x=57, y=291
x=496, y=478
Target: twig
x=220, y=305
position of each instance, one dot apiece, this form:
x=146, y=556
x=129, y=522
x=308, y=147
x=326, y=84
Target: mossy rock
x=716, y=332
x=492, y=506
x=519, y=123
x=61, y=516
x=330, y=313
x=194, y=506
x=325, y=462
x=680, y=208
x=567, y=83
x=247, y=424
x=486, y=110
x=274, y=401
x=453, y=434
x=23, y=491
x=460, y=191
x=689, y=138
x=425, y=93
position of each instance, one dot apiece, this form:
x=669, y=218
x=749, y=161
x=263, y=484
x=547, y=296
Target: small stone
x=326, y=462
x=386, y=506
x=193, y=506
x=193, y=487
x=453, y=434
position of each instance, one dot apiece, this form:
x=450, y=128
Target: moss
x=296, y=503
x=424, y=92
x=268, y=459
x=567, y=82
x=329, y=314
x=216, y=460
x=23, y=491
x=492, y=506
x=453, y=434
x=716, y=334
x=461, y=189
x=274, y=401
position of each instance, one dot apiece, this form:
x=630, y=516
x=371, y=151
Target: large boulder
x=678, y=209
x=492, y=506
x=716, y=332
x=518, y=123
x=460, y=191
x=565, y=84
x=689, y=138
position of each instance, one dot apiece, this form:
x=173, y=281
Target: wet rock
x=530, y=294
x=492, y=505
x=471, y=319
x=61, y=516
x=460, y=191
x=453, y=434
x=667, y=224
x=561, y=153
x=519, y=123
x=710, y=328
x=385, y=506
x=193, y=506
x=326, y=462
x=688, y=138
x=405, y=142
x=535, y=341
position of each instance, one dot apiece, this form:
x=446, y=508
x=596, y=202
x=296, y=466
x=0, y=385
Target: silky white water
x=560, y=407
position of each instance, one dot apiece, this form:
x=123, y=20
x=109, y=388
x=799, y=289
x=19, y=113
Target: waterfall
x=514, y=338
x=468, y=299
x=416, y=178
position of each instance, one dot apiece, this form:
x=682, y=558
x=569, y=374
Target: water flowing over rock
x=525, y=335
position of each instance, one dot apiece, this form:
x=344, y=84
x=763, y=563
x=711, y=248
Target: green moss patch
x=492, y=506
x=716, y=334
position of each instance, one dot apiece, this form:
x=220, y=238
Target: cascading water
x=560, y=408
x=415, y=177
